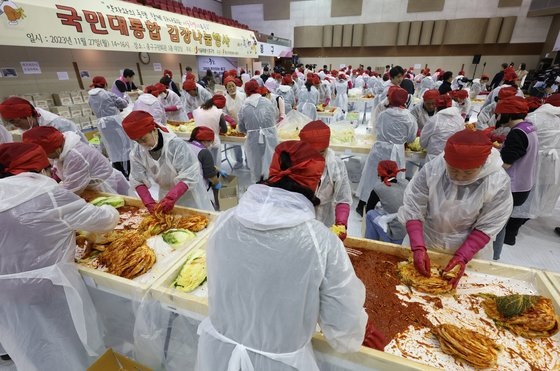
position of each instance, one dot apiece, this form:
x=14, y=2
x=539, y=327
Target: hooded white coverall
x=438, y=129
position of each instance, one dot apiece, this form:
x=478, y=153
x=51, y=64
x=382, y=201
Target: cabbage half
x=177, y=237
x=114, y=201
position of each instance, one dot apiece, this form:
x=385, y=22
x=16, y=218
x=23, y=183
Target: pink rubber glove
x=146, y=198
x=415, y=231
x=473, y=244
x=349, y=84
x=174, y=194
x=230, y=121
x=171, y=109
x=190, y=116
x=373, y=338
x=342, y=212
x=54, y=175
x=327, y=101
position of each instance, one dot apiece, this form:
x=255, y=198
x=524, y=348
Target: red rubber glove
x=171, y=109
x=230, y=121
x=190, y=115
x=473, y=244
x=342, y=212
x=54, y=175
x=146, y=198
x=327, y=101
x=174, y=194
x=373, y=338
x=415, y=232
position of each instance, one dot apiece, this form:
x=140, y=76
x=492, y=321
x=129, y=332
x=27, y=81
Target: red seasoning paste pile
x=389, y=314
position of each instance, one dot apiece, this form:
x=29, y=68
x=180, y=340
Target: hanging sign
x=118, y=25
x=273, y=50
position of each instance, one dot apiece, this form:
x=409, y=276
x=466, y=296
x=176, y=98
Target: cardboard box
x=228, y=195
x=113, y=361
x=41, y=103
x=30, y=98
x=85, y=95
x=62, y=99
x=75, y=111
x=86, y=111
x=63, y=111
x=77, y=99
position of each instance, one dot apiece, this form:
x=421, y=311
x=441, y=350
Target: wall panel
x=507, y=29
x=465, y=31
x=327, y=36
x=426, y=34
x=380, y=34
x=337, y=35
x=346, y=8
x=347, y=31
x=308, y=36
x=358, y=35
x=439, y=30
x=414, y=34
x=402, y=35
x=493, y=30
x=415, y=6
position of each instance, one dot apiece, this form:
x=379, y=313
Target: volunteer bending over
x=457, y=203
x=334, y=188
x=274, y=272
x=77, y=165
x=160, y=156
x=47, y=318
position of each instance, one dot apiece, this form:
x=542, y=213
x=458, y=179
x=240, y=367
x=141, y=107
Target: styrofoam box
x=75, y=111
x=77, y=99
x=555, y=279
x=366, y=357
x=130, y=288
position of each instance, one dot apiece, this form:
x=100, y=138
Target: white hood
x=451, y=111
x=95, y=91
x=148, y=99
x=253, y=100
x=265, y=208
x=70, y=141
x=284, y=88
x=547, y=108
x=23, y=187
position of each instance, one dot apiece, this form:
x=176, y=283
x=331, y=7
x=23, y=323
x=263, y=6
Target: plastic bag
x=342, y=132
x=289, y=128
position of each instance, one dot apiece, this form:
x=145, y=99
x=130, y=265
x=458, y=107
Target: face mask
x=154, y=146
x=462, y=182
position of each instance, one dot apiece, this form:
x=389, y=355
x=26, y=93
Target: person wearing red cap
x=166, y=159
x=340, y=92
x=257, y=118
x=395, y=126
x=426, y=84
x=234, y=102
x=202, y=138
x=487, y=115
x=286, y=91
x=107, y=107
x=46, y=308
x=77, y=165
x=21, y=114
x=519, y=154
x=395, y=78
x=172, y=104
x=271, y=243
x=446, y=122
x=457, y=203
x=384, y=226
x=188, y=75
x=257, y=78
x=308, y=98
x=510, y=80
x=277, y=102
x=479, y=85
x=462, y=102
x=149, y=102
x=334, y=190
x=425, y=109
x=167, y=80
x=210, y=115
x=195, y=96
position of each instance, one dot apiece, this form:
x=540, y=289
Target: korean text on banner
x=119, y=25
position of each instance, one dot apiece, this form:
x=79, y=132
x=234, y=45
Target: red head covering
x=189, y=85
x=17, y=158
x=534, y=103
x=467, y=149
x=316, y=80
x=229, y=79
x=204, y=133
x=512, y=105
x=168, y=73
x=397, y=97
x=98, y=82
x=263, y=91
x=257, y=72
x=484, y=76
x=430, y=95
x=508, y=91
x=443, y=101
x=461, y=73
x=189, y=76
x=554, y=99
x=459, y=94
x=162, y=88
x=238, y=82
x=317, y=134
x=138, y=123
x=152, y=89
x=307, y=164
x=334, y=73
x=251, y=87
x=231, y=73
x=309, y=76
x=439, y=70
x=509, y=74
x=388, y=169
x=15, y=108
x=49, y=138
x=426, y=71
x=294, y=75
x=219, y=100
x=287, y=80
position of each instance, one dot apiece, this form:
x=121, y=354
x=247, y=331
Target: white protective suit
x=465, y=108
x=420, y=114
x=274, y=272
x=308, y=100
x=233, y=106
x=60, y=123
x=287, y=93
x=47, y=318
x=176, y=163
x=211, y=119
x=325, y=92
x=171, y=100
x=334, y=189
x=376, y=111
x=438, y=129
x=341, y=91
x=426, y=84
x=545, y=192
x=107, y=108
x=395, y=127
x=5, y=135
x=191, y=103
x=450, y=212
x=486, y=117
x=148, y=103
x=476, y=88
x=257, y=118
x=494, y=94
x=81, y=166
